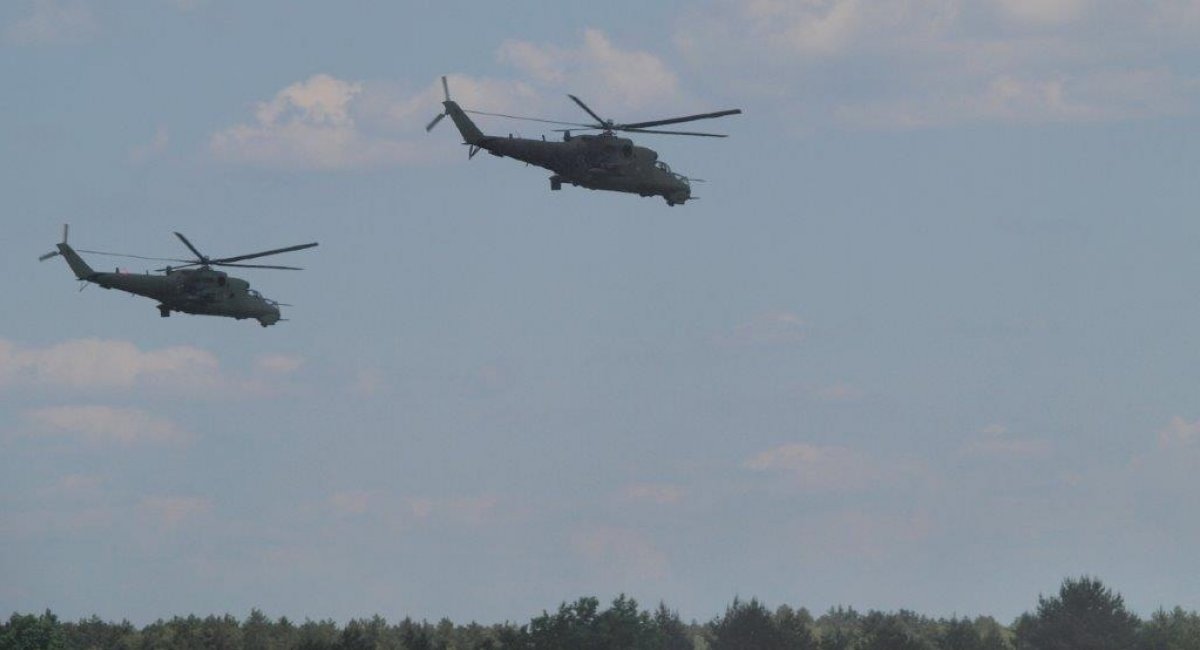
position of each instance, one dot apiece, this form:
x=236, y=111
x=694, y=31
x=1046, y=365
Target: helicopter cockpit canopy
x=664, y=167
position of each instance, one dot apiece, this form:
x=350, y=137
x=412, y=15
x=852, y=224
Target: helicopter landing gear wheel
x=555, y=183
x=164, y=312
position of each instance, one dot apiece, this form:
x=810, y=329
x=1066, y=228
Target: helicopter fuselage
x=598, y=162
x=203, y=291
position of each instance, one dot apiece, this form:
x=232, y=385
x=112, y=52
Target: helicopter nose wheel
x=164, y=312
x=555, y=183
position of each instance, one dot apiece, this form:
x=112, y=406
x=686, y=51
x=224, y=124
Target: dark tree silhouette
x=747, y=626
x=839, y=629
x=1085, y=615
x=669, y=632
x=29, y=632
x=796, y=628
x=1174, y=630
x=900, y=631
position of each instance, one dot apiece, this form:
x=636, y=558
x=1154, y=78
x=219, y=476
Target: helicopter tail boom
x=80, y=267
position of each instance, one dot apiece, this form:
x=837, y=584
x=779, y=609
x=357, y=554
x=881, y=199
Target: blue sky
x=927, y=340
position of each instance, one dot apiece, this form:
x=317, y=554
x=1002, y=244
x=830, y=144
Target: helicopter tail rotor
x=470, y=133
x=43, y=258
x=443, y=114
x=429, y=127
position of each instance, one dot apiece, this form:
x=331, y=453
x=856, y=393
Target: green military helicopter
x=200, y=290
x=598, y=162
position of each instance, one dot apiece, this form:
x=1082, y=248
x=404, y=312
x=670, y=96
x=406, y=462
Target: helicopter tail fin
x=470, y=133
x=78, y=266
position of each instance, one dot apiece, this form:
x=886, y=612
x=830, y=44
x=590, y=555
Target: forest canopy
x=1083, y=615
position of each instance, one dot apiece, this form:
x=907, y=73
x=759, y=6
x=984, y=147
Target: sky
x=926, y=341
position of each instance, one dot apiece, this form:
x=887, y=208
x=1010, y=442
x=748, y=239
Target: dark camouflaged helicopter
x=201, y=290
x=604, y=161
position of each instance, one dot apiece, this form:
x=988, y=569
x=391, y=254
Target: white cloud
x=100, y=424
x=173, y=511
x=792, y=32
x=187, y=5
x=995, y=441
x=351, y=502
x=309, y=125
x=818, y=27
x=473, y=510
x=656, y=493
x=1044, y=12
x=622, y=79
x=421, y=507
x=821, y=468
x=768, y=328
x=157, y=145
x=1102, y=96
x=281, y=364
x=368, y=382
x=1179, y=433
x=1176, y=16
x=53, y=22
x=326, y=123
x=75, y=487
x=862, y=534
x=833, y=468
x=100, y=363
x=620, y=552
x=942, y=62
x=839, y=392
x=494, y=95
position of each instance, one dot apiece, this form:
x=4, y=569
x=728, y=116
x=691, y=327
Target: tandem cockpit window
x=663, y=166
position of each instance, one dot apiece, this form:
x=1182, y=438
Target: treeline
x=1084, y=615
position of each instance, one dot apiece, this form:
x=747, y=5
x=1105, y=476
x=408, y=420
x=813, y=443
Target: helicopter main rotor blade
x=707, y=135
x=532, y=119
x=260, y=266
x=187, y=243
x=598, y=119
x=677, y=120
x=445, y=88
x=276, y=251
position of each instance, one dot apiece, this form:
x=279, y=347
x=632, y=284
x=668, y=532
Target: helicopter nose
x=271, y=317
x=680, y=195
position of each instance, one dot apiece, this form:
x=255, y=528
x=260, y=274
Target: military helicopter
x=599, y=162
x=201, y=290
